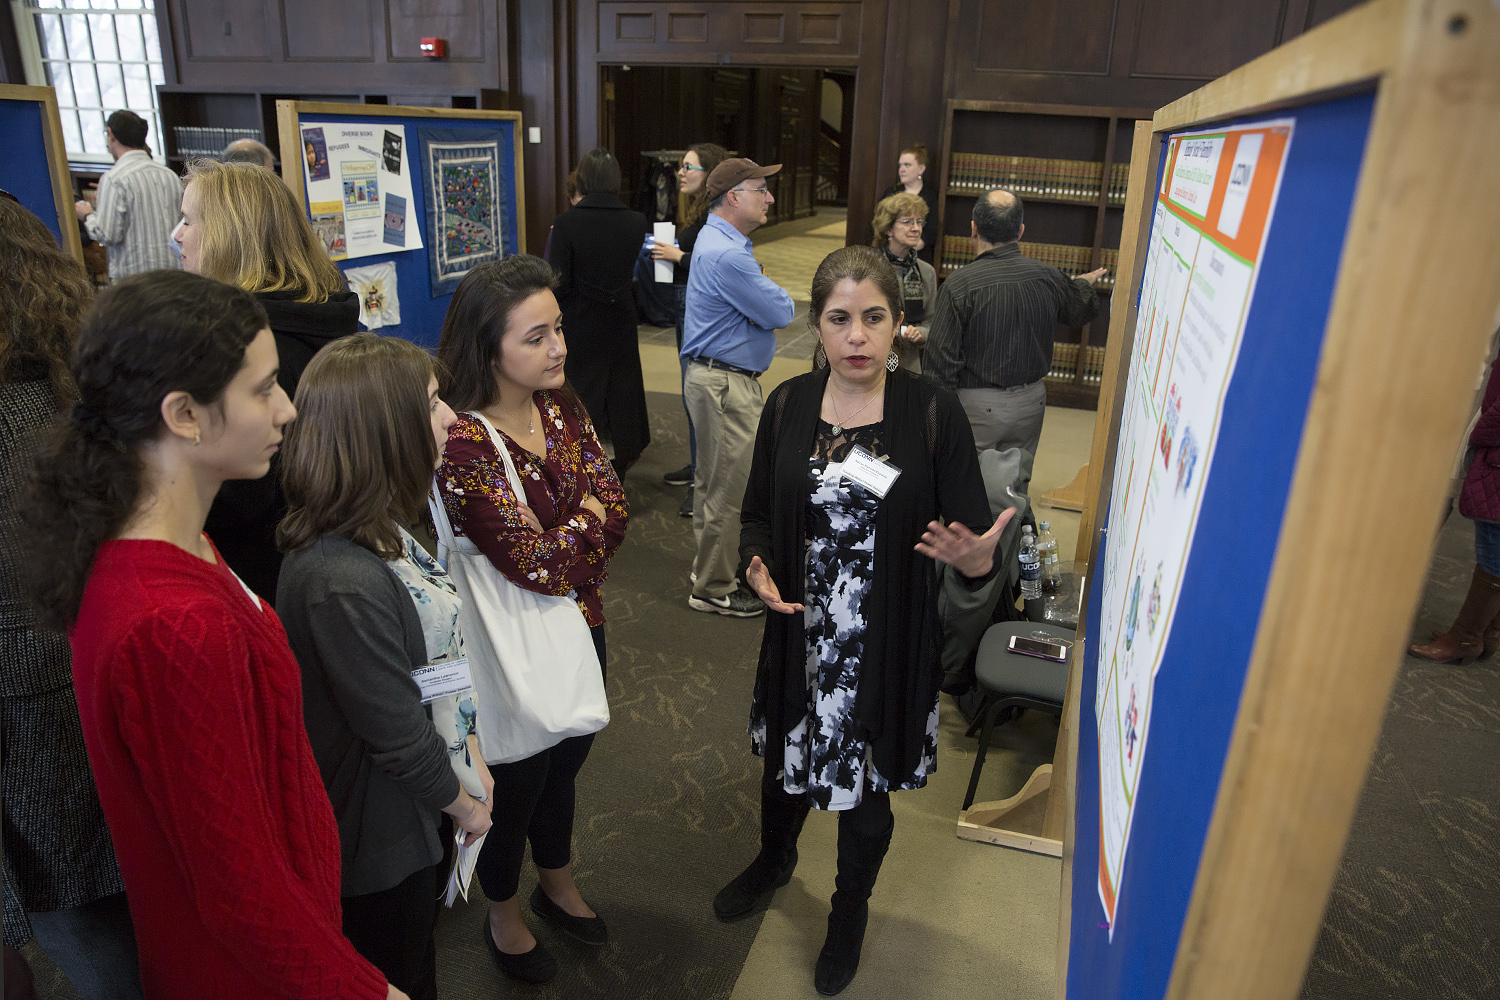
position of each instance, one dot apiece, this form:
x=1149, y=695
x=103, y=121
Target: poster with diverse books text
x=357, y=178
x=1212, y=212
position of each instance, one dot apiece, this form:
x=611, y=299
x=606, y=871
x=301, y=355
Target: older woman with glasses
x=898, y=236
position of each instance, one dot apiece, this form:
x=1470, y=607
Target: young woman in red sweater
x=189, y=696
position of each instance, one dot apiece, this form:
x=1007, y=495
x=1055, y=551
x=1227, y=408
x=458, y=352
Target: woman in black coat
x=240, y=225
x=594, y=249
x=62, y=882
x=855, y=462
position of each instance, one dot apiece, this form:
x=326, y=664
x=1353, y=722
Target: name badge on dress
x=874, y=474
x=440, y=679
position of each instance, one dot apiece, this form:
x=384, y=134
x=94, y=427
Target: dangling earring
x=820, y=359
x=196, y=437
x=892, y=361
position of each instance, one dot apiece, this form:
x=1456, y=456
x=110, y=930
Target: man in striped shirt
x=992, y=325
x=140, y=202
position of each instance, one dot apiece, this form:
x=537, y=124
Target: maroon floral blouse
x=569, y=557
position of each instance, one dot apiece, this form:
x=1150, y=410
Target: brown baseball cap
x=733, y=172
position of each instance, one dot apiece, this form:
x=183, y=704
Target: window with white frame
x=100, y=56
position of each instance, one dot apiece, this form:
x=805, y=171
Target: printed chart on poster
x=359, y=188
x=1208, y=231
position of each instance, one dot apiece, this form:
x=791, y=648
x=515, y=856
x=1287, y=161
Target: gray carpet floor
x=1415, y=911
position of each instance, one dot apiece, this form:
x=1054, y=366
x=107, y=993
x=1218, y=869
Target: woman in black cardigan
x=594, y=247
x=855, y=463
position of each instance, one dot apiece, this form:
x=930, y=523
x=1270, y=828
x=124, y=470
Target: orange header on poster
x=1246, y=170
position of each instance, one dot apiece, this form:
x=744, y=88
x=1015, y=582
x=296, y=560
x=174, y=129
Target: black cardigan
x=928, y=437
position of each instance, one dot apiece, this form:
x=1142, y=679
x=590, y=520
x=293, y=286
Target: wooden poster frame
x=288, y=126
x=1411, y=317
x=57, y=160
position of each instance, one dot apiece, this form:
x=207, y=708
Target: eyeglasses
x=689, y=166
x=909, y=222
x=759, y=190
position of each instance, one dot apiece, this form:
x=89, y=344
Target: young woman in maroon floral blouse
x=503, y=347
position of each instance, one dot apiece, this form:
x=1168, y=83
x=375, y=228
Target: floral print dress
x=432, y=591
x=825, y=755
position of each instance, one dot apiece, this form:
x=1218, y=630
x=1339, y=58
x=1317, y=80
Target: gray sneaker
x=739, y=603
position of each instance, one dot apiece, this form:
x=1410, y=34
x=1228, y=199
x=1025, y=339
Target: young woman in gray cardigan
x=364, y=606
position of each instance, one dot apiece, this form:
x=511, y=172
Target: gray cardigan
x=357, y=636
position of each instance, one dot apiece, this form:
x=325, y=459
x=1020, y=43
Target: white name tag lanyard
x=875, y=474
x=440, y=679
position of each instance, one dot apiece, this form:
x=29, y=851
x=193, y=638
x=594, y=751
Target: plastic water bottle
x=1031, y=567
x=1051, y=567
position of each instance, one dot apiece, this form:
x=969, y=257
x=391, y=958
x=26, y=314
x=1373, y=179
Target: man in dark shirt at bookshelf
x=991, y=334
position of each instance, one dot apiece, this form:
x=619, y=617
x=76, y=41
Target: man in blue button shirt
x=729, y=338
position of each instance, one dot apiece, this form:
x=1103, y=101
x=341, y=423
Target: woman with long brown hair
x=364, y=606
x=692, y=188
x=241, y=225
x=59, y=864
x=864, y=477
x=503, y=350
x=188, y=695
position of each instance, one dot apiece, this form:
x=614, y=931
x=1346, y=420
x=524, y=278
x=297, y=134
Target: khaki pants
x=1006, y=418
x=725, y=409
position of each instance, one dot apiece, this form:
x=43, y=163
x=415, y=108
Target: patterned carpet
x=1415, y=911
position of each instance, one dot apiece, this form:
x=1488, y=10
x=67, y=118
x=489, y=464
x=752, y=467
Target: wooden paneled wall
x=909, y=57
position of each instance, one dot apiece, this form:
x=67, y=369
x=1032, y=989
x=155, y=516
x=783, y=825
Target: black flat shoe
x=589, y=930
x=536, y=966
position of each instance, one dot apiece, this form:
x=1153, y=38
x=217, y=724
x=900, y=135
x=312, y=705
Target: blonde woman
x=240, y=225
x=898, y=235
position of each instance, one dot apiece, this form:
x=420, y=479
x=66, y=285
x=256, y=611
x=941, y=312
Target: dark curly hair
x=42, y=300
x=469, y=345
x=148, y=335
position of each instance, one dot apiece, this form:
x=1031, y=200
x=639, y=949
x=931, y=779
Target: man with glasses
x=732, y=314
x=139, y=202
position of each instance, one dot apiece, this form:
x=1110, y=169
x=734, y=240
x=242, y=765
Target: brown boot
x=1467, y=638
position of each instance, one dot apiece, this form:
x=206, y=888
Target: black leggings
x=871, y=818
x=534, y=800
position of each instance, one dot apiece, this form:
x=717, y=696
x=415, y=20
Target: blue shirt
x=733, y=310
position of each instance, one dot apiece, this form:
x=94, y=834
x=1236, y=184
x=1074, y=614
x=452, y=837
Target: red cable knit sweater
x=191, y=703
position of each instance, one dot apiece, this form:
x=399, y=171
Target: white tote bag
x=536, y=672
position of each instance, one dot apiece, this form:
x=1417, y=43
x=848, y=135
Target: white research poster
x=359, y=188
x=1208, y=230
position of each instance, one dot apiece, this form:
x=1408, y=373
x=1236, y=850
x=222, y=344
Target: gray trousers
x=725, y=409
x=1006, y=418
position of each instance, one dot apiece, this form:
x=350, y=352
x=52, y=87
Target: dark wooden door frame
x=877, y=93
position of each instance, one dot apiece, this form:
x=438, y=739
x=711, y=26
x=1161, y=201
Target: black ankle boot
x=781, y=819
x=860, y=856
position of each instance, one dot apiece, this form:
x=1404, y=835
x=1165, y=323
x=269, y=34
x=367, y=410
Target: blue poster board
x=1206, y=657
x=421, y=313
x=24, y=169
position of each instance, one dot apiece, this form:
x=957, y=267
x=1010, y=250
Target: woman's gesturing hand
x=970, y=554
x=765, y=588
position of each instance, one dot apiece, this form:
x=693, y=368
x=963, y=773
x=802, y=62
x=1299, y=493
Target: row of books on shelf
x=195, y=140
x=1037, y=177
x=1066, y=360
x=1072, y=261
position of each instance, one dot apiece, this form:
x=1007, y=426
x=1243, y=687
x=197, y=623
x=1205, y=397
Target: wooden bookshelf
x=1068, y=165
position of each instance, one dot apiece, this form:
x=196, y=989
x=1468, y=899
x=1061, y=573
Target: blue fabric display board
x=423, y=290
x=1196, y=695
x=24, y=169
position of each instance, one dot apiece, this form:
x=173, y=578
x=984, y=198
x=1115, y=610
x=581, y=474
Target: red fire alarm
x=434, y=48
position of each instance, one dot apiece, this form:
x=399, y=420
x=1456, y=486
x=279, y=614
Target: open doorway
x=800, y=118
